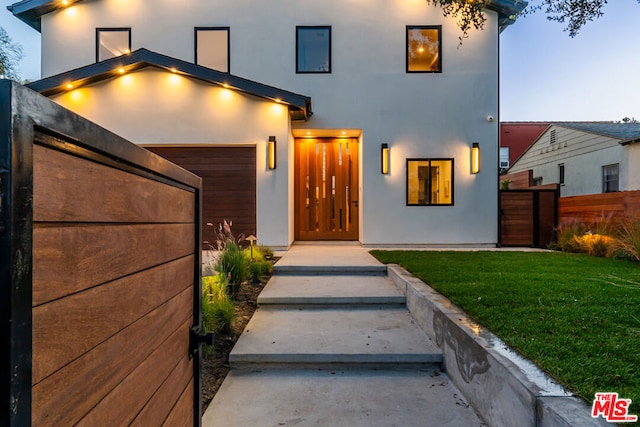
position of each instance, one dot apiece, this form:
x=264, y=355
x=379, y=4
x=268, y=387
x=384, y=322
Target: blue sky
x=545, y=75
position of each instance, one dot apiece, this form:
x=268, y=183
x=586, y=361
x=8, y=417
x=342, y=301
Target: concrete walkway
x=333, y=344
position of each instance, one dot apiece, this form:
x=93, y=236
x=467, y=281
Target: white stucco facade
x=423, y=115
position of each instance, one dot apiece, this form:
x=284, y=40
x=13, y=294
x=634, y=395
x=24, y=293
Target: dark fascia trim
x=30, y=11
x=299, y=105
x=508, y=11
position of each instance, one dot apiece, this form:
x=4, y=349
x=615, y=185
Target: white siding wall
x=583, y=155
x=418, y=115
x=632, y=177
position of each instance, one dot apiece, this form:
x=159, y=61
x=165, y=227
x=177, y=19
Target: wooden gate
x=528, y=217
x=100, y=272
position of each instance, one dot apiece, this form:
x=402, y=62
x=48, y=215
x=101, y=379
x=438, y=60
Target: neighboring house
x=585, y=157
x=226, y=88
x=515, y=138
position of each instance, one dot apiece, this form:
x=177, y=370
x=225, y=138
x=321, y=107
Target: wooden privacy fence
x=594, y=207
x=527, y=217
x=100, y=274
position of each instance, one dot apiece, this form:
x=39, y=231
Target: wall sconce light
x=271, y=150
x=475, y=158
x=384, y=159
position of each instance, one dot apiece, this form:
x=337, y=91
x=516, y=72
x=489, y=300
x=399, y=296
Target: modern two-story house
x=332, y=120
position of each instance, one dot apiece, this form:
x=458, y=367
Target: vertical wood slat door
x=326, y=189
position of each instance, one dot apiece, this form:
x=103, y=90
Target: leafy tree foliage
x=10, y=55
x=575, y=13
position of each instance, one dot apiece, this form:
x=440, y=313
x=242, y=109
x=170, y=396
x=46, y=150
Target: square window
x=610, y=178
x=112, y=42
x=313, y=49
x=429, y=182
x=212, y=48
x=424, y=49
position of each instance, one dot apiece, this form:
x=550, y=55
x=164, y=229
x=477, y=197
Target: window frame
x=110, y=29
x=313, y=27
x=430, y=159
x=406, y=48
x=617, y=180
x=561, y=172
x=195, y=45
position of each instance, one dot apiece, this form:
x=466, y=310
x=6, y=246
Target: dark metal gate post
x=16, y=237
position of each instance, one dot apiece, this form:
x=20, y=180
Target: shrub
x=234, y=265
x=267, y=252
x=260, y=270
x=217, y=308
x=566, y=233
x=594, y=244
x=629, y=237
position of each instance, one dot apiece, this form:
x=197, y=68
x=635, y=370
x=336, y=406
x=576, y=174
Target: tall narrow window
x=313, y=49
x=112, y=42
x=561, y=174
x=610, y=178
x=212, y=48
x=424, y=49
x=429, y=182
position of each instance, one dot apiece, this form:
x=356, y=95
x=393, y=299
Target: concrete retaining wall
x=504, y=388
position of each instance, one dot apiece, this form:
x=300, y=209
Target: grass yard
x=575, y=316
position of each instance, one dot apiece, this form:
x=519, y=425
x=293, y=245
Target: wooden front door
x=326, y=189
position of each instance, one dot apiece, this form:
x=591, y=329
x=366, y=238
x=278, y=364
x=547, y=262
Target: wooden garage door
x=228, y=184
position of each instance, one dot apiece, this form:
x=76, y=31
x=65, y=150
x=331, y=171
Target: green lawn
x=575, y=316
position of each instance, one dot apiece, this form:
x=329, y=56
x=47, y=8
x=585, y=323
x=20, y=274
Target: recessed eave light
x=121, y=70
x=69, y=86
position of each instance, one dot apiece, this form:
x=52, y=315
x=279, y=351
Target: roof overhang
x=299, y=105
x=31, y=11
x=508, y=10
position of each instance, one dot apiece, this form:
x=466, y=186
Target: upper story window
x=424, y=49
x=212, y=48
x=429, y=182
x=313, y=49
x=561, y=174
x=112, y=42
x=610, y=179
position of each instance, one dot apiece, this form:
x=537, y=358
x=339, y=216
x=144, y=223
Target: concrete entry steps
x=339, y=397
x=332, y=336
x=330, y=290
x=333, y=344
